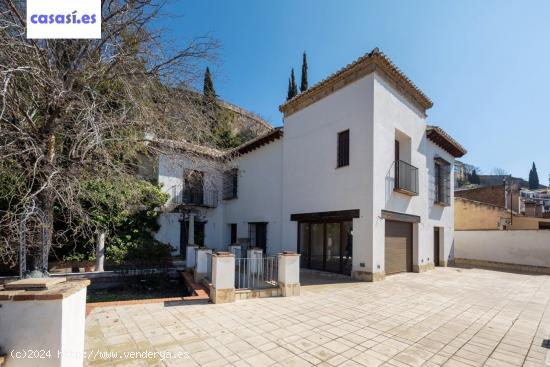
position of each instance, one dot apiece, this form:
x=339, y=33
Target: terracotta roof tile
x=370, y=62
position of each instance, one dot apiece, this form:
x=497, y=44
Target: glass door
x=304, y=245
x=333, y=255
x=317, y=260
x=347, y=246
x=326, y=246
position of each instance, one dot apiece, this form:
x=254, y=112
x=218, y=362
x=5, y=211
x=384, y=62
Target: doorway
x=398, y=247
x=326, y=246
x=436, y=246
x=184, y=235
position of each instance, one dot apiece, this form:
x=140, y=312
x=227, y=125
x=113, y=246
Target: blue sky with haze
x=485, y=64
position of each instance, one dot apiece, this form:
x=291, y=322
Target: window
x=233, y=234
x=193, y=192
x=258, y=234
x=230, y=181
x=193, y=180
x=343, y=148
x=442, y=182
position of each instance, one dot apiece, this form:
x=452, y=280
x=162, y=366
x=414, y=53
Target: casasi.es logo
x=70, y=19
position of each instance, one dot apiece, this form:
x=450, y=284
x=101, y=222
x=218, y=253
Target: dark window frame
x=255, y=239
x=343, y=145
x=231, y=184
x=233, y=233
x=442, y=182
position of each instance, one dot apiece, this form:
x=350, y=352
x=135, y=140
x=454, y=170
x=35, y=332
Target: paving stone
x=445, y=317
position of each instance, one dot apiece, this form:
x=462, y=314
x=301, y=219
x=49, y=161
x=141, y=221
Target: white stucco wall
x=395, y=116
x=529, y=247
x=53, y=326
x=169, y=231
x=299, y=174
x=259, y=195
x=311, y=180
x=171, y=174
x=438, y=215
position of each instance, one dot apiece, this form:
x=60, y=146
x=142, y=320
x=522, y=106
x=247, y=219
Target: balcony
x=193, y=197
x=406, y=178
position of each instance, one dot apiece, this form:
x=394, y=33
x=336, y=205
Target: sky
x=484, y=64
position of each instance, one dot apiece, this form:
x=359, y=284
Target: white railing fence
x=256, y=272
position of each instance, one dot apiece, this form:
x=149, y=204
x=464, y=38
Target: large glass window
x=304, y=245
x=347, y=246
x=333, y=253
x=327, y=246
x=317, y=244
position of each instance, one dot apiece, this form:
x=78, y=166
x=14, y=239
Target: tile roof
x=370, y=62
x=184, y=146
x=445, y=141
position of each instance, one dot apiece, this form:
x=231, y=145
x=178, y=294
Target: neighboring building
x=358, y=183
x=495, y=195
x=531, y=203
x=475, y=215
x=535, y=202
x=460, y=173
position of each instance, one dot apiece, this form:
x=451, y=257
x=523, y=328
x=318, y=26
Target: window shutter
x=230, y=184
x=343, y=148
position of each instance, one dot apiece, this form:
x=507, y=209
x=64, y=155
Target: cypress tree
x=208, y=87
x=533, y=178
x=474, y=178
x=289, y=92
x=292, y=87
x=303, y=84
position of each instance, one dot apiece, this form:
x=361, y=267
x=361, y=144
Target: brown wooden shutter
x=343, y=148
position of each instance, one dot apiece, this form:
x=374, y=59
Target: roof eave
x=367, y=64
x=439, y=137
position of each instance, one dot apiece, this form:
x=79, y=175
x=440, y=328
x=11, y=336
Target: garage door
x=398, y=247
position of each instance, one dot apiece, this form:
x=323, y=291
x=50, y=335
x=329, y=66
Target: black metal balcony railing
x=406, y=178
x=194, y=197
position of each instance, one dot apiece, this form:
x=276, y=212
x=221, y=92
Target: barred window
x=230, y=184
x=343, y=149
x=442, y=182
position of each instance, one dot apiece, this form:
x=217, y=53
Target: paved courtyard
x=445, y=317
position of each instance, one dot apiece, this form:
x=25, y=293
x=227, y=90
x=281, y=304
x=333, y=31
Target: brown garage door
x=398, y=247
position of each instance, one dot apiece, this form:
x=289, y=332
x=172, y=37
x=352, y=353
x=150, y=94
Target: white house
x=356, y=181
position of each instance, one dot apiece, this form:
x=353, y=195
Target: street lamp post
x=511, y=199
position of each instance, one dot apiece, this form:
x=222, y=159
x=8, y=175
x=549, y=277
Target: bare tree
x=497, y=171
x=74, y=109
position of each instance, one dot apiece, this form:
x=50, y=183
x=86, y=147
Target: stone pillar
x=289, y=273
x=49, y=319
x=201, y=262
x=191, y=230
x=235, y=250
x=222, y=289
x=190, y=257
